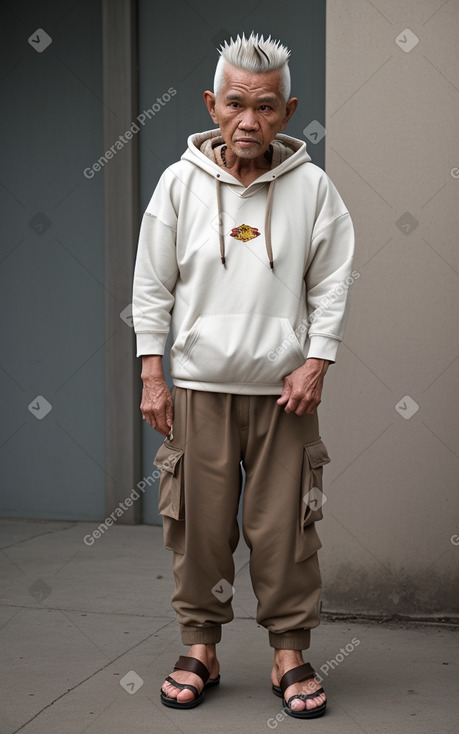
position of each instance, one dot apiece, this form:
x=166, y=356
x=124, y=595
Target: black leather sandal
x=192, y=665
x=296, y=675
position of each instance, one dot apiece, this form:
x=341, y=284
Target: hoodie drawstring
x=269, y=247
x=268, y=242
x=220, y=221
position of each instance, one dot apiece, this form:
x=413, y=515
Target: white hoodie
x=244, y=312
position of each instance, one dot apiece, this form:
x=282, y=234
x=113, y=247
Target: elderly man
x=245, y=251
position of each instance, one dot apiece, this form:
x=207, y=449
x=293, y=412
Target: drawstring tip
x=271, y=264
x=223, y=259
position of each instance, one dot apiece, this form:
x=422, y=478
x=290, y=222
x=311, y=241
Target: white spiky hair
x=254, y=54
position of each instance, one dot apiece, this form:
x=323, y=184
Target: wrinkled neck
x=245, y=170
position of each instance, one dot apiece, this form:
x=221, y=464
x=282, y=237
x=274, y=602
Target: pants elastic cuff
x=292, y=640
x=200, y=635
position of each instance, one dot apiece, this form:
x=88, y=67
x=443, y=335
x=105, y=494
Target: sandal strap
x=304, y=696
x=192, y=665
x=302, y=672
x=182, y=686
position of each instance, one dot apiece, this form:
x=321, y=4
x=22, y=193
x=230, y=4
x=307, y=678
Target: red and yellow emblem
x=244, y=233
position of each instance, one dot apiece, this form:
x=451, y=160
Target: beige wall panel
x=391, y=527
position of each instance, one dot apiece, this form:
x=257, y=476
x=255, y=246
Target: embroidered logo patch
x=244, y=233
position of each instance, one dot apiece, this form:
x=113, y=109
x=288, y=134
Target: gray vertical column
x=122, y=384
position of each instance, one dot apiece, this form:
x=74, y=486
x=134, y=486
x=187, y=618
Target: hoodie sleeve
x=156, y=272
x=329, y=275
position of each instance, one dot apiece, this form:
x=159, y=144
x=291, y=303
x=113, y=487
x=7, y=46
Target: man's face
x=249, y=110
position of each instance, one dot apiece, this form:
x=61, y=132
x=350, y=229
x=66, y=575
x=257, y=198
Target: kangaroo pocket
x=237, y=348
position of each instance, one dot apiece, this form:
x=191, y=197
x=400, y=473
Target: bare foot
x=207, y=655
x=285, y=660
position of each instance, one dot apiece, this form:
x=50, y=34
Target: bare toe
x=183, y=676
x=297, y=694
x=297, y=704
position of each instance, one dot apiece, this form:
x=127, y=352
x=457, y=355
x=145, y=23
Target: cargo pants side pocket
x=171, y=498
x=315, y=456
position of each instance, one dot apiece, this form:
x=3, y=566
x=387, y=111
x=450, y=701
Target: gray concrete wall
x=389, y=415
x=51, y=262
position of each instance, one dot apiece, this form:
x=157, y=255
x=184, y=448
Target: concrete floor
x=87, y=635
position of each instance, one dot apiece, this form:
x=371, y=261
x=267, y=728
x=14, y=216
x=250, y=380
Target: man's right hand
x=156, y=405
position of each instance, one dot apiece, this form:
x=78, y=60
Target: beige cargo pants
x=199, y=493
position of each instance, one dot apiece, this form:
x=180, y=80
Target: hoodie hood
x=287, y=153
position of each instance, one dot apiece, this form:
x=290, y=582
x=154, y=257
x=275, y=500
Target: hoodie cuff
x=323, y=347
x=151, y=343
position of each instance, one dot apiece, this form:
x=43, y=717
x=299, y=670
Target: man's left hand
x=303, y=387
